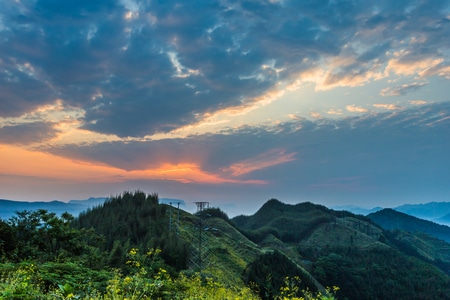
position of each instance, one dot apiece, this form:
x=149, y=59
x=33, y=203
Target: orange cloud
x=267, y=159
x=418, y=102
x=335, y=112
x=354, y=108
x=315, y=115
x=21, y=162
x=186, y=173
x=387, y=106
x=422, y=66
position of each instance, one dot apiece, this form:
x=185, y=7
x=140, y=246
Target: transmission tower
x=199, y=251
x=178, y=217
x=201, y=205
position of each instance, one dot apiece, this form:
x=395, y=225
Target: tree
x=7, y=239
x=47, y=236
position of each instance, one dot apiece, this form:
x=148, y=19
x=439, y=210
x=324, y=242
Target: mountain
x=356, y=209
x=74, y=207
x=206, y=241
x=351, y=251
x=416, y=237
x=425, y=246
x=391, y=219
x=288, y=223
x=142, y=221
x=444, y=220
x=431, y=211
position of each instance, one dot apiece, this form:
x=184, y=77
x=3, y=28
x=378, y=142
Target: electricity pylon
x=199, y=250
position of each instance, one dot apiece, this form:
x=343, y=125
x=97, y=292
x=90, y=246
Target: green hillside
x=187, y=242
x=289, y=223
x=424, y=246
x=134, y=247
x=350, y=251
x=416, y=237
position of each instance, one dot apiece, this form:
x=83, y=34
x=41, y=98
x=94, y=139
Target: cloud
x=349, y=71
x=20, y=88
x=315, y=115
x=264, y=160
x=412, y=63
x=387, y=106
x=356, y=109
x=418, y=102
x=44, y=165
x=335, y=112
x=402, y=89
x=139, y=68
x=366, y=154
x=28, y=133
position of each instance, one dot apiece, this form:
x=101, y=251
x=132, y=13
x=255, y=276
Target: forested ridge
x=353, y=252
x=391, y=219
x=133, y=247
x=135, y=220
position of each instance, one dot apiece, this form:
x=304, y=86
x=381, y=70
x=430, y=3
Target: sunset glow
x=226, y=102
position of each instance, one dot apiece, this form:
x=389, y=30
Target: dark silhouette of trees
x=135, y=220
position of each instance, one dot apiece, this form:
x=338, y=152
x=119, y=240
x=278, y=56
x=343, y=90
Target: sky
x=228, y=102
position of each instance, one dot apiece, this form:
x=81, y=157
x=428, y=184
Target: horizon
x=234, y=103
x=191, y=207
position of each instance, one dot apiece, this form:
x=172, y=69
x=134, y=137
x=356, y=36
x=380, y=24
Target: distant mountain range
x=74, y=207
x=390, y=219
x=356, y=209
x=433, y=211
x=444, y=220
x=438, y=212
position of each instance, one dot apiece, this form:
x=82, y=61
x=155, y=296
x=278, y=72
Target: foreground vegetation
x=28, y=282
x=70, y=281
x=124, y=249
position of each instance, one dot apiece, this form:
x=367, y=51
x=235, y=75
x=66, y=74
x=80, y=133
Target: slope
x=445, y=220
x=217, y=248
x=137, y=220
x=390, y=219
x=347, y=250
